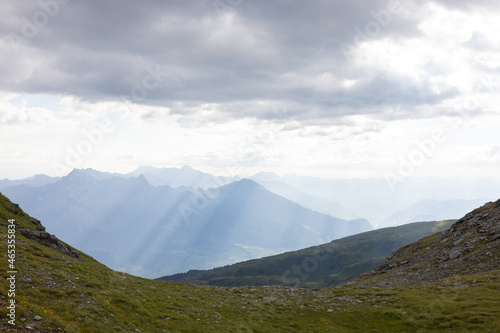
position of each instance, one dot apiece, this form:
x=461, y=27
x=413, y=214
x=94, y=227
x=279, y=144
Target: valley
x=58, y=292
x=154, y=222
x=249, y=166
x=132, y=226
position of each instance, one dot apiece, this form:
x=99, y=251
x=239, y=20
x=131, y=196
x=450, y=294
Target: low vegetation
x=318, y=266
x=57, y=292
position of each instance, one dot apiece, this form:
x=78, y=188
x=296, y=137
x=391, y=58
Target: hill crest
x=318, y=266
x=470, y=246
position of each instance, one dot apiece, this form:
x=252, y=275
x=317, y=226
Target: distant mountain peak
x=141, y=179
x=89, y=175
x=246, y=183
x=266, y=176
x=80, y=177
x=80, y=173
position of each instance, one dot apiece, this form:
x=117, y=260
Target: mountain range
x=132, y=222
x=412, y=200
x=133, y=226
x=432, y=210
x=376, y=200
x=318, y=266
x=61, y=289
x=179, y=177
x=36, y=180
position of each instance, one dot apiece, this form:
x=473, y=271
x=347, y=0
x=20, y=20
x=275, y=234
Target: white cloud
x=23, y=114
x=266, y=85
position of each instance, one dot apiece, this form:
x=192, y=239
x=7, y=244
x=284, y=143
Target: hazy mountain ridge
x=291, y=220
x=347, y=199
x=333, y=263
x=151, y=231
x=432, y=210
x=374, y=198
x=173, y=177
x=185, y=176
x=311, y=201
x=36, y=180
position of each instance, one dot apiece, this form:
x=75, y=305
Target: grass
x=468, y=303
x=338, y=261
x=85, y=296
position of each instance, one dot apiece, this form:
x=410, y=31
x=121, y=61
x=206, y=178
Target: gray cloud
x=101, y=50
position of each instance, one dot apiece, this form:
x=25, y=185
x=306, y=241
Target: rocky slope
x=470, y=246
x=32, y=228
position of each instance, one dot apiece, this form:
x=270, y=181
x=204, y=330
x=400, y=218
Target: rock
x=455, y=254
x=37, y=318
x=468, y=247
x=49, y=240
x=27, y=280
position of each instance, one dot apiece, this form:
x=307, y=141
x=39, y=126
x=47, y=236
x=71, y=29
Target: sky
x=338, y=89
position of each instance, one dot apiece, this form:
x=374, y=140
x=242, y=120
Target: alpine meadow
x=249, y=166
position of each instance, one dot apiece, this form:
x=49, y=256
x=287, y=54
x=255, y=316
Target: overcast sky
x=332, y=88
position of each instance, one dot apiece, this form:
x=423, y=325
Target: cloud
x=244, y=60
x=23, y=114
x=468, y=5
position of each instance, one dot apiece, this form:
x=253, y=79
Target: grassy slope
x=337, y=261
x=469, y=246
x=85, y=296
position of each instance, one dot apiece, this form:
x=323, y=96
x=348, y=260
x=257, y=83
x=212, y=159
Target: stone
x=455, y=254
x=49, y=240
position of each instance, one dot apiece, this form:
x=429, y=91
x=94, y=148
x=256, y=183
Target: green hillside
x=319, y=266
x=469, y=246
x=58, y=290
